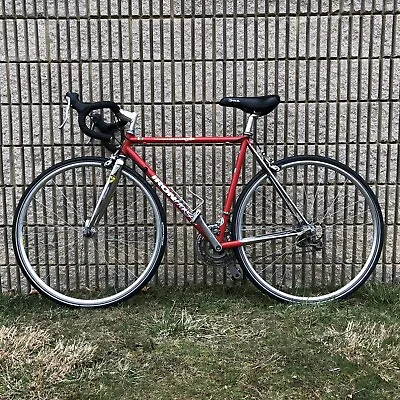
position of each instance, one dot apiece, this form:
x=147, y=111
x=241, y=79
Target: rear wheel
x=112, y=263
x=325, y=260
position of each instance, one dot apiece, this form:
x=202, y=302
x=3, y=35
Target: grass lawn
x=202, y=343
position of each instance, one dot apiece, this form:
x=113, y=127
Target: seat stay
x=282, y=192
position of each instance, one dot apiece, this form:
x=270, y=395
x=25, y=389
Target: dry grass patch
x=32, y=361
x=368, y=343
x=175, y=321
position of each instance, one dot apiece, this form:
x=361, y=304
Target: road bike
x=91, y=231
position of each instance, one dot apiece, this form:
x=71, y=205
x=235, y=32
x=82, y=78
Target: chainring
x=211, y=257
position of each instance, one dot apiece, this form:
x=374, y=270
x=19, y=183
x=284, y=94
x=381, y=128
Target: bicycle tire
x=345, y=248
x=98, y=271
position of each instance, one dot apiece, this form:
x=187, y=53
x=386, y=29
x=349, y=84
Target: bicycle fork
x=108, y=191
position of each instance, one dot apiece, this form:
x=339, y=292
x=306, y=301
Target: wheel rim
x=347, y=221
x=88, y=271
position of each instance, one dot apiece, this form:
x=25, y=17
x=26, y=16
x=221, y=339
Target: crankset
x=210, y=257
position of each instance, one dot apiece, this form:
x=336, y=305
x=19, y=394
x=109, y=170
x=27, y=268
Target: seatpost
x=250, y=123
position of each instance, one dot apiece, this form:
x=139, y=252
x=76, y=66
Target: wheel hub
x=87, y=231
x=311, y=237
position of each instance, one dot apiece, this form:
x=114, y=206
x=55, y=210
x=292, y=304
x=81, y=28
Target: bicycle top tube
x=150, y=140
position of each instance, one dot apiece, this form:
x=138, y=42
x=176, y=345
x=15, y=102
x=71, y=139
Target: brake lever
x=66, y=113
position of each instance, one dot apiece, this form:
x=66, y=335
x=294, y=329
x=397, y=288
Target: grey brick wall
x=335, y=64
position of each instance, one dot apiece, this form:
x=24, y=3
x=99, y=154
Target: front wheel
x=58, y=256
x=325, y=256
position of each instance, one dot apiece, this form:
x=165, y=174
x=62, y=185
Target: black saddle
x=255, y=105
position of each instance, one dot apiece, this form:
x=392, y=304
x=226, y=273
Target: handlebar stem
x=132, y=116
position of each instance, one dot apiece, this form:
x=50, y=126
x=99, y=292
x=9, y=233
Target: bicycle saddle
x=255, y=105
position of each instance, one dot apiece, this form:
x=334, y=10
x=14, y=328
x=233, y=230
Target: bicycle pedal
x=236, y=273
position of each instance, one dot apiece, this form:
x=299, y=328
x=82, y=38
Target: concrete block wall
x=334, y=63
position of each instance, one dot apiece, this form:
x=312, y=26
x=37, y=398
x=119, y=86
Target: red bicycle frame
x=178, y=202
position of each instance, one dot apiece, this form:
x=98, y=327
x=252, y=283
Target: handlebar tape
x=84, y=110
